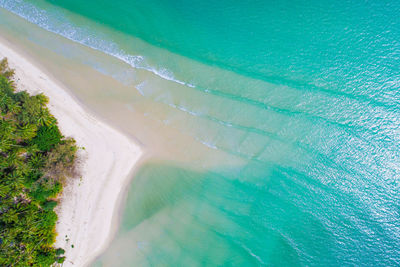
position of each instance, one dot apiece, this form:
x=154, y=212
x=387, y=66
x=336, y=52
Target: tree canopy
x=35, y=161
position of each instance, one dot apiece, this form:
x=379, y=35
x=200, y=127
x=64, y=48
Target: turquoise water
x=306, y=94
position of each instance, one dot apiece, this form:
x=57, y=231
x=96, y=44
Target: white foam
x=57, y=22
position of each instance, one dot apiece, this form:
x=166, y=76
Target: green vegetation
x=35, y=161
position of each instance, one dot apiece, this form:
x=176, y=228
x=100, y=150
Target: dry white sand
x=87, y=204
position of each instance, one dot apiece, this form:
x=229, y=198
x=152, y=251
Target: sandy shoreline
x=87, y=204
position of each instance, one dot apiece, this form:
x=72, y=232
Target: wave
x=56, y=22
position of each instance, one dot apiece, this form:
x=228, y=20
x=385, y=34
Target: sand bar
x=87, y=208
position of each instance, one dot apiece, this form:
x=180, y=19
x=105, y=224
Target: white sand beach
x=87, y=205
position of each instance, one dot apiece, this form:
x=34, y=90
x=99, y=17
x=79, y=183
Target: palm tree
x=5, y=144
x=45, y=118
x=27, y=131
x=5, y=69
x=14, y=160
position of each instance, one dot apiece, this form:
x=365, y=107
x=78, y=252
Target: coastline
x=88, y=203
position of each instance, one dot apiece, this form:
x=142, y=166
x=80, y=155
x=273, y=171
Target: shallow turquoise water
x=306, y=94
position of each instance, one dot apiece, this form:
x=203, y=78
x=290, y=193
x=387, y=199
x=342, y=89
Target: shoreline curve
x=88, y=203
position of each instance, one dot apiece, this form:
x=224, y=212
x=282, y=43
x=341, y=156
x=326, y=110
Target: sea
x=274, y=125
